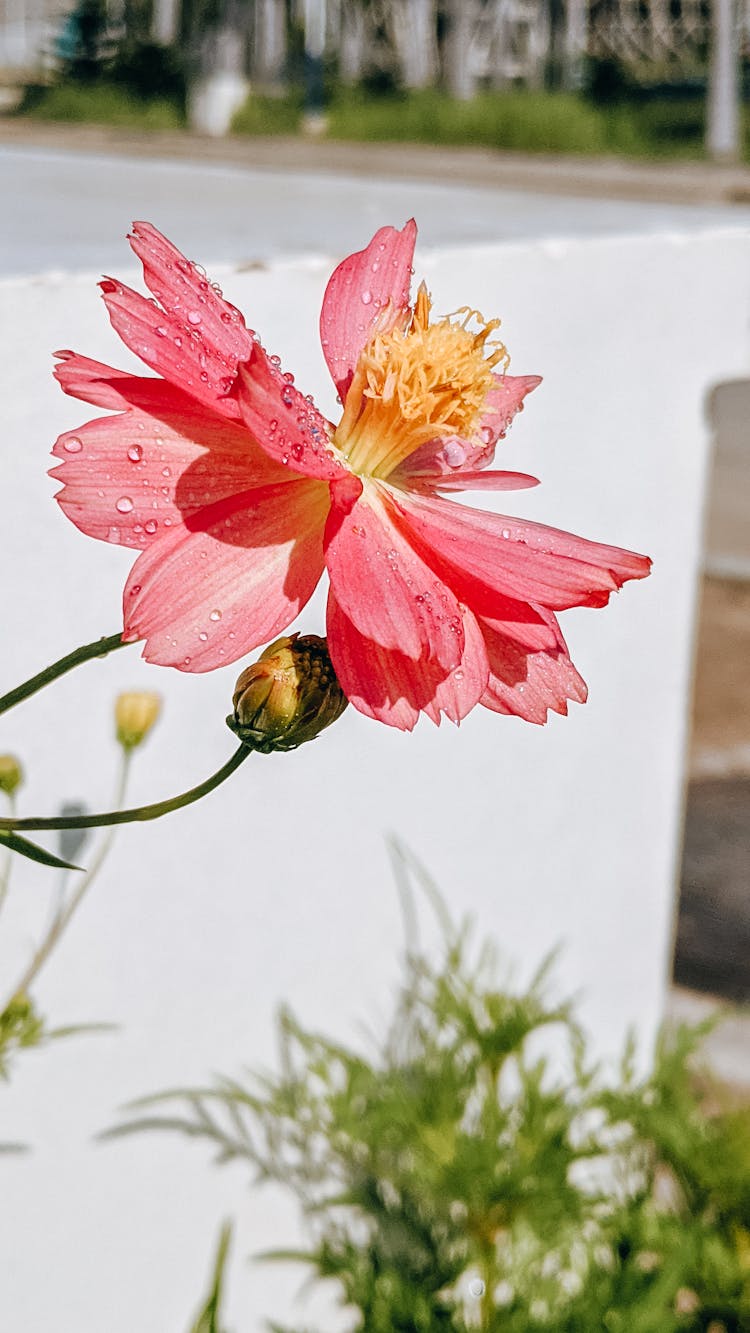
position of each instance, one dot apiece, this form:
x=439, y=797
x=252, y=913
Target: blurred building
x=461, y=44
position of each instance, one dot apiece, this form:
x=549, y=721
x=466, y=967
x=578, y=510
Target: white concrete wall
x=278, y=886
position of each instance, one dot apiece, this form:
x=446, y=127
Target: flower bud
x=135, y=714
x=11, y=773
x=288, y=696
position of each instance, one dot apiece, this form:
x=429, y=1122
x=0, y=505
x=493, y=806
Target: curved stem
x=99, y=648
x=65, y=910
x=140, y=812
x=8, y=858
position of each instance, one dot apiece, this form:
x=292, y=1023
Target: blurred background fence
x=462, y=45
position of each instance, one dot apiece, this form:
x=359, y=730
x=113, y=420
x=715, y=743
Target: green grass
x=520, y=120
x=525, y=121
x=101, y=104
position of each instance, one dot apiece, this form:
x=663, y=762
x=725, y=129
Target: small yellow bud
x=11, y=773
x=288, y=696
x=135, y=714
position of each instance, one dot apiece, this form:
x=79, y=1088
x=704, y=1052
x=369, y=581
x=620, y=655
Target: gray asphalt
x=70, y=210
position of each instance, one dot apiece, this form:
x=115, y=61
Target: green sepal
x=15, y=843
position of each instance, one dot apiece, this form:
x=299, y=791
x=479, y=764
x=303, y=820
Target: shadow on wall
x=712, y=947
x=728, y=512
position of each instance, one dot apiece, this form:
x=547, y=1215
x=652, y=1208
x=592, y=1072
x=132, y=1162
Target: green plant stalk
x=140, y=812
x=67, y=909
x=99, y=648
x=7, y=860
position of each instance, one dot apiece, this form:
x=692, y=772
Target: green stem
x=8, y=858
x=65, y=909
x=99, y=648
x=140, y=812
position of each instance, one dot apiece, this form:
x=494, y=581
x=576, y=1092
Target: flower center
x=416, y=384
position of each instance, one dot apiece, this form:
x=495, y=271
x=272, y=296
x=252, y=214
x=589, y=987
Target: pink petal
x=93, y=382
x=532, y=628
x=504, y=401
x=129, y=478
x=186, y=293
x=385, y=588
x=477, y=481
x=287, y=426
x=172, y=346
x=476, y=552
x=390, y=687
x=529, y=684
x=453, y=457
x=230, y=579
x=357, y=295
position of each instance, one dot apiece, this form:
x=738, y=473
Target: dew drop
x=215, y=615
x=297, y=450
x=113, y=534
x=186, y=661
x=273, y=425
x=506, y=533
x=454, y=453
x=167, y=522
x=458, y=674
x=226, y=318
x=124, y=504
x=160, y=331
x=178, y=342
x=166, y=472
x=476, y=1286
x=203, y=636
x=150, y=527
x=204, y=377
x=135, y=453
x=73, y=445
x=134, y=591
x=193, y=317
x=358, y=530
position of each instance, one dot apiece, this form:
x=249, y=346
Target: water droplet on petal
x=215, y=615
x=366, y=296
x=178, y=342
x=506, y=533
x=151, y=526
x=194, y=317
x=160, y=331
x=124, y=504
x=203, y=636
x=458, y=674
x=166, y=472
x=476, y=1286
x=73, y=445
x=135, y=453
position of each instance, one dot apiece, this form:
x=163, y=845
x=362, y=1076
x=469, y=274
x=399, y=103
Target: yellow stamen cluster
x=416, y=383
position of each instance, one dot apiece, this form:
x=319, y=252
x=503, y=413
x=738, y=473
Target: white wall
x=278, y=886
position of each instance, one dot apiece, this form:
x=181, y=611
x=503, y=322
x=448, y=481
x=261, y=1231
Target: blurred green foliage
x=100, y=103
x=477, y=1171
x=658, y=125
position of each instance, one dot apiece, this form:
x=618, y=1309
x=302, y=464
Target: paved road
x=70, y=209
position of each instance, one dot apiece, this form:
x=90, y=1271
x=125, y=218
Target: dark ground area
x=712, y=952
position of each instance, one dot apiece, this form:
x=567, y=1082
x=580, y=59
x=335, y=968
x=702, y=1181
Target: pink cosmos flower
x=238, y=493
